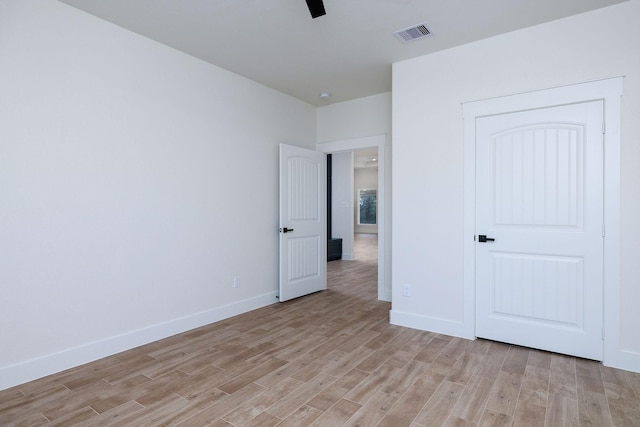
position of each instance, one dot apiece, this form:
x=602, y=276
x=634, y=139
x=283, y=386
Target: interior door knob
x=483, y=239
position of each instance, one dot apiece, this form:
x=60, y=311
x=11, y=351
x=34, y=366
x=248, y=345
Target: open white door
x=303, y=219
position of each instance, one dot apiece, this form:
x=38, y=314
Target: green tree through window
x=367, y=207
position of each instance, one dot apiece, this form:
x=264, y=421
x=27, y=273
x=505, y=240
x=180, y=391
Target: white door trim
x=609, y=90
x=376, y=141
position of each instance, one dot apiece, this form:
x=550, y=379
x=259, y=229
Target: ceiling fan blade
x=316, y=8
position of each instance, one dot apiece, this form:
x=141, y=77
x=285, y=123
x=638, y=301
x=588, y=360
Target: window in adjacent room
x=367, y=206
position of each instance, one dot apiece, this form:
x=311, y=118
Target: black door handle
x=482, y=239
x=286, y=230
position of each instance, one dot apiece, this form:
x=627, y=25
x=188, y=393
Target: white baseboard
x=347, y=257
x=30, y=370
x=432, y=324
x=622, y=359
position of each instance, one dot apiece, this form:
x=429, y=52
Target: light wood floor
x=329, y=359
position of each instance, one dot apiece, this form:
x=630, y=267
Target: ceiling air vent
x=410, y=34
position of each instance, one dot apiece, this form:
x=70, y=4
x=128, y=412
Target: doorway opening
x=345, y=151
x=352, y=218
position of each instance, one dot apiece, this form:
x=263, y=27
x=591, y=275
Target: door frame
x=376, y=141
x=608, y=90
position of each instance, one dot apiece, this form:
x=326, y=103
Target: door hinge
x=602, y=334
x=604, y=127
x=602, y=230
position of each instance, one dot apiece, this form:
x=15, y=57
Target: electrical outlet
x=406, y=290
x=236, y=281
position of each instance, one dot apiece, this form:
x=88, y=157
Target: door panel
x=538, y=178
x=540, y=196
x=538, y=288
x=303, y=241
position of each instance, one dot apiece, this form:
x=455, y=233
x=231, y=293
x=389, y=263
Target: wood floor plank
x=374, y=361
x=250, y=376
x=440, y=404
x=479, y=346
x=338, y=414
x=535, y=386
x=539, y=359
x=528, y=414
x=373, y=411
x=562, y=377
x=128, y=409
x=264, y=419
x=444, y=364
x=503, y=397
x=463, y=369
x=107, y=396
x=11, y=397
x=331, y=395
x=492, y=360
x=619, y=383
x=154, y=414
x=341, y=363
x=314, y=368
x=258, y=404
x=404, y=378
x=303, y=363
x=75, y=417
x=32, y=419
x=409, y=404
x=458, y=422
x=625, y=411
x=200, y=363
x=593, y=409
x=516, y=360
x=303, y=416
x=383, y=338
x=287, y=406
x=355, y=342
x=589, y=376
x=496, y=419
x=223, y=406
x=562, y=411
x=456, y=347
x=73, y=403
x=160, y=388
x=404, y=354
x=201, y=383
x=473, y=400
x=40, y=399
x=300, y=348
x=373, y=382
x=430, y=352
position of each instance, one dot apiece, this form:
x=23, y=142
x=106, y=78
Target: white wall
x=428, y=150
x=342, y=201
x=364, y=178
x=355, y=119
x=135, y=182
x=361, y=118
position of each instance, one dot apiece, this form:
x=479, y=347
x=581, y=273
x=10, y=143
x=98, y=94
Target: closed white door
x=303, y=222
x=539, y=225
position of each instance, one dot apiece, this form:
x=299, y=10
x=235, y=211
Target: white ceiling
x=348, y=52
x=365, y=158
